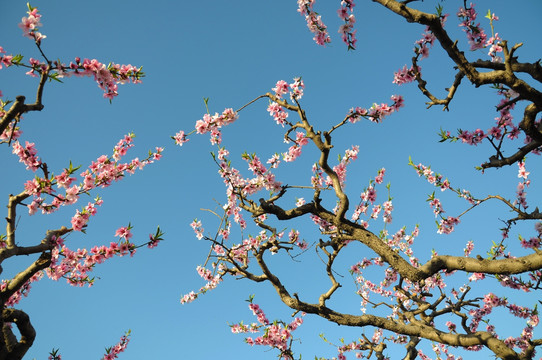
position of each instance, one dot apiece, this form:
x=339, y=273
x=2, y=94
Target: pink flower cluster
x=101, y=173
x=297, y=89
x=105, y=170
x=75, y=266
x=281, y=88
x=295, y=150
x=180, y=138
x=264, y=179
x=114, y=351
x=234, y=182
x=80, y=219
x=442, y=351
x=475, y=34
x=521, y=200
x=534, y=242
x=346, y=13
x=36, y=65
x=314, y=22
x=468, y=248
x=240, y=252
x=5, y=60
x=472, y=138
x=278, y=113
x=368, y=197
x=494, y=46
x=213, y=124
x=423, y=44
x=400, y=242
x=154, y=239
x=107, y=77
x=27, y=155
x=197, y=227
x=377, y=112
x=12, y=132
x=276, y=335
x=30, y=25
x=435, y=205
x=340, y=169
x=212, y=283
x=258, y=312
x=446, y=224
x=207, y=275
x=293, y=235
x=188, y=298
x=406, y=75
x=504, y=125
x=491, y=301
x=23, y=290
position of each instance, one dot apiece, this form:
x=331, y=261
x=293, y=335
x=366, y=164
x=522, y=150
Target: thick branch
x=535, y=70
x=415, y=330
x=15, y=349
x=495, y=162
x=527, y=124
x=19, y=107
x=21, y=278
x=505, y=76
x=14, y=200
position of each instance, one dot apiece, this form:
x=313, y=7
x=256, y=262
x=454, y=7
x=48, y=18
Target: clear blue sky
x=232, y=52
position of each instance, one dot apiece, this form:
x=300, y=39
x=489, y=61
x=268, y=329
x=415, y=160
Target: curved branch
x=495, y=162
x=21, y=278
x=534, y=69
x=334, y=284
x=527, y=124
x=414, y=330
x=19, y=107
x=505, y=76
x=422, y=85
x=16, y=349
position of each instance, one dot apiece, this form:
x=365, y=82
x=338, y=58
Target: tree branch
x=19, y=107
x=16, y=349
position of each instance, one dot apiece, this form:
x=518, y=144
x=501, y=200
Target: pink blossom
x=314, y=22
x=297, y=89
x=5, y=61
x=27, y=155
x=180, y=138
x=278, y=113
x=30, y=25
x=346, y=13
x=446, y=225
x=475, y=34
x=198, y=229
x=522, y=173
x=124, y=232
x=379, y=179
x=223, y=153
x=280, y=88
x=405, y=75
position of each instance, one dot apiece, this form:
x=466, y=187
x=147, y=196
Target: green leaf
x=439, y=9
x=488, y=15
x=16, y=59
x=54, y=76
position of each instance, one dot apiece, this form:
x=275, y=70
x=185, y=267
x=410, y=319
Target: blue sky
x=232, y=52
